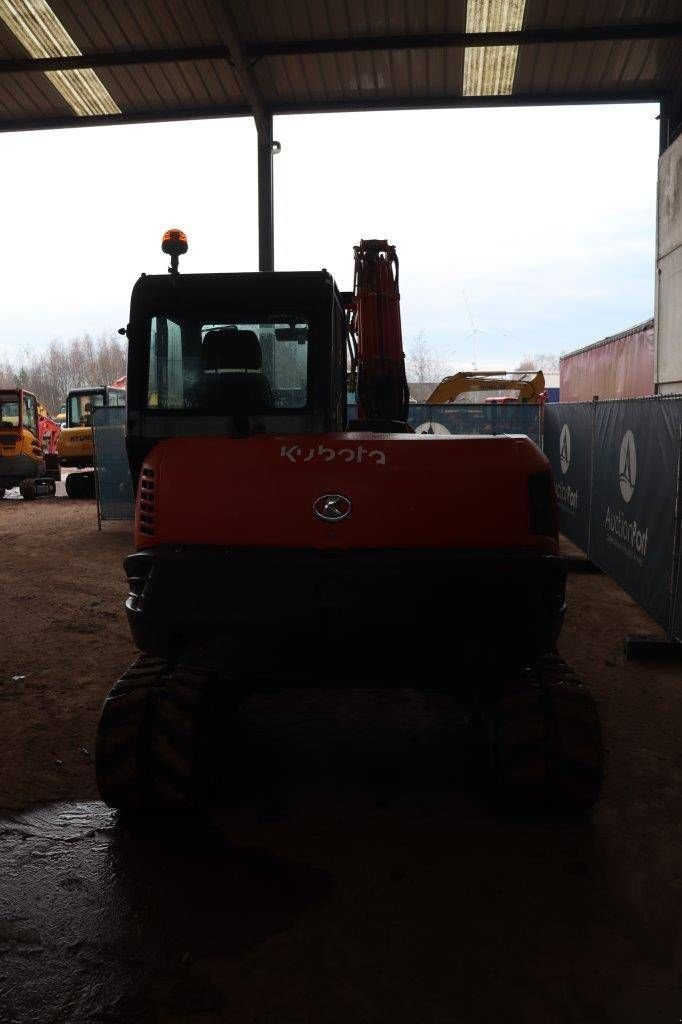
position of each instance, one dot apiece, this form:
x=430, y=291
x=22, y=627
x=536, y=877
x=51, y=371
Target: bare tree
x=540, y=361
x=422, y=365
x=80, y=362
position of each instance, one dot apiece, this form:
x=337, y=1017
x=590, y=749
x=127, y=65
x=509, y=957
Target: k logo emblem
x=332, y=508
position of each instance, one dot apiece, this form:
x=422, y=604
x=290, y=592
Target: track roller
x=147, y=748
x=544, y=741
x=37, y=487
x=27, y=489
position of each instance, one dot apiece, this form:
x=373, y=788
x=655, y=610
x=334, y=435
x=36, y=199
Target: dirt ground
x=63, y=641
x=355, y=870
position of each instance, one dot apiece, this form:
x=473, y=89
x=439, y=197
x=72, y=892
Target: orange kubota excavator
x=279, y=544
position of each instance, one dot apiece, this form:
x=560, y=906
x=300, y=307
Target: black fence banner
x=632, y=534
x=568, y=446
x=470, y=418
x=480, y=418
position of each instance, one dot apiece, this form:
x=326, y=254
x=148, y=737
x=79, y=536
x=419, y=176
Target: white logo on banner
x=431, y=427
x=565, y=448
x=627, y=466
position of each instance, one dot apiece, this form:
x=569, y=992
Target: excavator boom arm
x=529, y=387
x=374, y=322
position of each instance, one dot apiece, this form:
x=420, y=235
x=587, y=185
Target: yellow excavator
x=28, y=445
x=529, y=385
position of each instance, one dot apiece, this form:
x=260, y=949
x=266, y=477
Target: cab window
x=9, y=410
x=30, y=414
x=81, y=408
x=226, y=366
x=117, y=399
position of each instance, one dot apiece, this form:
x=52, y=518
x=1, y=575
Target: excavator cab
x=234, y=355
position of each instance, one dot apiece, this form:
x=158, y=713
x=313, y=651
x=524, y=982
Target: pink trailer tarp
x=621, y=366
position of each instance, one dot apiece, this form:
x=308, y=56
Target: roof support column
x=263, y=118
x=266, y=208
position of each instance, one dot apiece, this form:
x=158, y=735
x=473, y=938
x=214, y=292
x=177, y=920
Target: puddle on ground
x=65, y=822
x=89, y=905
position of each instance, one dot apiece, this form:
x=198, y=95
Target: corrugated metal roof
x=647, y=325
x=163, y=59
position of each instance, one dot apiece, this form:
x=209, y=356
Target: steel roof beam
x=242, y=68
x=248, y=53
x=550, y=99
x=134, y=117
x=30, y=65
x=524, y=37
x=425, y=103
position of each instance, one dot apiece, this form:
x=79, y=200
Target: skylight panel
x=42, y=34
x=490, y=70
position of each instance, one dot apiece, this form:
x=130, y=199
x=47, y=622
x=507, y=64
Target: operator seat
x=233, y=376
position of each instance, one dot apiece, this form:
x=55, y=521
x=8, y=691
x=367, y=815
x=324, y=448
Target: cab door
x=30, y=425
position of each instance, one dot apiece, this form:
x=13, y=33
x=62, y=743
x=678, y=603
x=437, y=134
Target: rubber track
x=146, y=749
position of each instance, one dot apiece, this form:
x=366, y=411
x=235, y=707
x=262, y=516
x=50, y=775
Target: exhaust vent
x=147, y=501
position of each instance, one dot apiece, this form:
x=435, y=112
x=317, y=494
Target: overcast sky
x=543, y=218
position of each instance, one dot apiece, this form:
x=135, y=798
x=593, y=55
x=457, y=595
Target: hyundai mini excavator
x=278, y=544
x=76, y=448
x=28, y=445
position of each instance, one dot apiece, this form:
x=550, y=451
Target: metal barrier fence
x=467, y=418
x=115, y=499
x=617, y=470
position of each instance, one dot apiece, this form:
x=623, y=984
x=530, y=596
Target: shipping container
x=621, y=366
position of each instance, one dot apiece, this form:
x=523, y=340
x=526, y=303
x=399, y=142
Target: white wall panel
x=669, y=271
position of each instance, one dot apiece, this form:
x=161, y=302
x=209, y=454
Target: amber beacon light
x=174, y=244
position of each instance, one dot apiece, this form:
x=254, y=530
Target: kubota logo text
x=320, y=452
